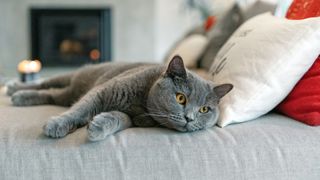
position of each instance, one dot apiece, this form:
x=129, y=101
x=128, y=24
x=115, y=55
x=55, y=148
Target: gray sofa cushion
x=271, y=147
x=227, y=23
x=258, y=7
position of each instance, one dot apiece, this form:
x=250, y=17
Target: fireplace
x=70, y=37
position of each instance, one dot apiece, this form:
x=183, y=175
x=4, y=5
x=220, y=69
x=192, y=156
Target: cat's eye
x=204, y=109
x=181, y=98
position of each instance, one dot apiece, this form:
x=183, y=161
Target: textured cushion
x=303, y=102
x=264, y=59
x=272, y=147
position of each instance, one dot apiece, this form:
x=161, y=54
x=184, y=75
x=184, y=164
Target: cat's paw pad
x=24, y=98
x=56, y=127
x=101, y=126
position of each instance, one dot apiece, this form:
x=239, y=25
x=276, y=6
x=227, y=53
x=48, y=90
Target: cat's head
x=183, y=101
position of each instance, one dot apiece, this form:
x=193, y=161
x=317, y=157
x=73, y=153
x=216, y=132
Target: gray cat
x=113, y=97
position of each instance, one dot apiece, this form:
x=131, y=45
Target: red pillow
x=303, y=102
x=301, y=9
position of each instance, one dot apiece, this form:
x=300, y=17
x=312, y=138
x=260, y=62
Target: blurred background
x=65, y=34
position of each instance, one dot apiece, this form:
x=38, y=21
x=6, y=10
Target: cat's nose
x=188, y=119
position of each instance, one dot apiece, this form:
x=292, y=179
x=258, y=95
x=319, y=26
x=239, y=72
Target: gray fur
x=107, y=123
x=112, y=97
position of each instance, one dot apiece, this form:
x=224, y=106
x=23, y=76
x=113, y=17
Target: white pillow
x=264, y=59
x=190, y=49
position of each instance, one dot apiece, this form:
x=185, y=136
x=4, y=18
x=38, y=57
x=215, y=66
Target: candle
x=29, y=69
x=28, y=66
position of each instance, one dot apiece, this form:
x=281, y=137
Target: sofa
x=270, y=147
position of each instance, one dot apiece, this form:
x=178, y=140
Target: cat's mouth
x=187, y=127
x=179, y=124
x=190, y=127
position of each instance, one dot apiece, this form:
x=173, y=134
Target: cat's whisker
x=161, y=124
x=156, y=115
x=193, y=127
x=179, y=122
x=197, y=126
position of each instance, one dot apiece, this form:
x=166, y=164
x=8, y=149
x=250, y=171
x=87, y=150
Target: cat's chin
x=181, y=129
x=192, y=127
x=187, y=128
x=178, y=128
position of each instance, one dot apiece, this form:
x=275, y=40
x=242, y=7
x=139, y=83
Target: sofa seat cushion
x=271, y=147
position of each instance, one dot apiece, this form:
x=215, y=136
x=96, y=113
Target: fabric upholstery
x=271, y=147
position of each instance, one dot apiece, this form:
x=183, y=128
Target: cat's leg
x=54, y=82
x=62, y=97
x=17, y=86
x=78, y=115
x=107, y=123
x=103, y=98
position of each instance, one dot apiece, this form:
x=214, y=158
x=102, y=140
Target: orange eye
x=181, y=98
x=204, y=109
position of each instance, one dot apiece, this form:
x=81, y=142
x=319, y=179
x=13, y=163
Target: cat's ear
x=176, y=68
x=222, y=89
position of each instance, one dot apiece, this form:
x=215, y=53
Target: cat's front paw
x=56, y=127
x=12, y=87
x=24, y=98
x=101, y=126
